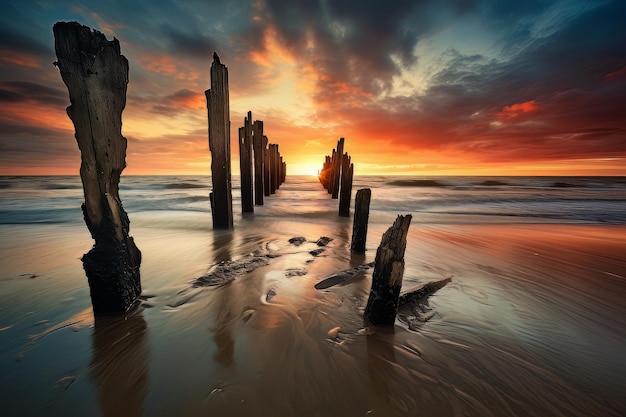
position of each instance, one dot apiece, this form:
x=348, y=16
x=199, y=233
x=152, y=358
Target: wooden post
x=347, y=171
x=331, y=171
x=337, y=169
x=266, y=168
x=325, y=173
x=245, y=164
x=96, y=76
x=272, y=170
x=259, y=162
x=382, y=305
x=279, y=167
x=219, y=145
x=361, y=218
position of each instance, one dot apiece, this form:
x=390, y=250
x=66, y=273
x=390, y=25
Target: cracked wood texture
x=245, y=165
x=96, y=76
x=361, y=220
x=219, y=144
x=345, y=194
x=382, y=305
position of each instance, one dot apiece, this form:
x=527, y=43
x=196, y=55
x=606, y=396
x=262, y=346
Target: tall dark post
x=331, y=172
x=347, y=171
x=96, y=76
x=382, y=305
x=361, y=219
x=272, y=168
x=219, y=145
x=259, y=162
x=266, y=168
x=337, y=169
x=245, y=164
x=325, y=173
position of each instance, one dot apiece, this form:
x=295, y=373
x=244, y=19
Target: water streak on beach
x=533, y=322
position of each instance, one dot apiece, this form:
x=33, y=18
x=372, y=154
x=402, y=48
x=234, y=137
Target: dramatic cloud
x=427, y=86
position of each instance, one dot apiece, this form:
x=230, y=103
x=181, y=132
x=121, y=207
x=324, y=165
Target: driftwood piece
x=259, y=162
x=382, y=304
x=345, y=196
x=419, y=293
x=96, y=76
x=219, y=143
x=413, y=308
x=361, y=219
x=343, y=276
x=245, y=165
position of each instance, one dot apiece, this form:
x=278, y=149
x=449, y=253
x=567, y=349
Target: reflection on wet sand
x=222, y=245
x=222, y=329
x=119, y=367
x=381, y=359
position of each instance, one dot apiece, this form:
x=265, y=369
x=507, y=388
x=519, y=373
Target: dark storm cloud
x=17, y=91
x=192, y=44
x=14, y=40
x=354, y=40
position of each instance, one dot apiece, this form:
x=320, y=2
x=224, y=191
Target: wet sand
x=532, y=324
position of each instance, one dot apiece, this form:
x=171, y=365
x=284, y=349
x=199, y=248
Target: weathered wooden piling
x=272, y=168
x=259, y=162
x=382, y=305
x=267, y=185
x=96, y=76
x=245, y=164
x=345, y=196
x=337, y=169
x=361, y=219
x=219, y=144
x=324, y=175
x=277, y=168
x=283, y=171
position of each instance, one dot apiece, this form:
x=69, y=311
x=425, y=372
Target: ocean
x=533, y=322
x=447, y=200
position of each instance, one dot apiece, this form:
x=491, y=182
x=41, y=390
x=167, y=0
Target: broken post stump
x=245, y=165
x=345, y=196
x=259, y=162
x=96, y=76
x=219, y=144
x=382, y=304
x=361, y=219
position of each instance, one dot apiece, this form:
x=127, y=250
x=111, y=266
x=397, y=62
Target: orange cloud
x=162, y=64
x=30, y=113
x=617, y=74
x=516, y=110
x=13, y=58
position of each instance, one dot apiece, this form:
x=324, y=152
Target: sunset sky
x=432, y=87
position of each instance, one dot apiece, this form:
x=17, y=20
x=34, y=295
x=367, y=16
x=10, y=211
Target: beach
x=533, y=322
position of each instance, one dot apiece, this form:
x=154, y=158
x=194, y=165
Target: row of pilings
x=262, y=167
x=112, y=265
x=336, y=177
